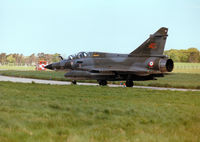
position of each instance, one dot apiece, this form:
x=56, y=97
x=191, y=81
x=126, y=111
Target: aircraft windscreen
x=82, y=55
x=71, y=57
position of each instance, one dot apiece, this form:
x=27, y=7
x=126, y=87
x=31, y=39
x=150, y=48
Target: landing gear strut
x=74, y=82
x=129, y=83
x=102, y=82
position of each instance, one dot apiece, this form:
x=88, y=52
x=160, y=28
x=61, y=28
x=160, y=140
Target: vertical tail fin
x=154, y=45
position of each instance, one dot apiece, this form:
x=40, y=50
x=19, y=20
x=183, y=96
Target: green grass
x=12, y=67
x=48, y=75
x=36, y=112
x=176, y=80
x=186, y=68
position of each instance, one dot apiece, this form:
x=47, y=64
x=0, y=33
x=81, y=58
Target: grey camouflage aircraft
x=145, y=63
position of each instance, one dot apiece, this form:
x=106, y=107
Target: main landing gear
x=74, y=82
x=129, y=83
x=102, y=82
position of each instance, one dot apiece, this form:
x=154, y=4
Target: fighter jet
x=145, y=63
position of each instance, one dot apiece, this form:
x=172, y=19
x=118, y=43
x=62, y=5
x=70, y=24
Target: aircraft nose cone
x=49, y=67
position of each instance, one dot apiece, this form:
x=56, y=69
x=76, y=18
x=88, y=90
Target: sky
x=118, y=26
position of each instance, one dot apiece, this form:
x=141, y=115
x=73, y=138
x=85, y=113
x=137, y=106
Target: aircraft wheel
x=129, y=83
x=74, y=82
x=102, y=82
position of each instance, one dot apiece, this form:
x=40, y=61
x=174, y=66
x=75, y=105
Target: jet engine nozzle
x=166, y=65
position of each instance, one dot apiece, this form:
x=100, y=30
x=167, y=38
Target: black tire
x=102, y=82
x=74, y=82
x=129, y=83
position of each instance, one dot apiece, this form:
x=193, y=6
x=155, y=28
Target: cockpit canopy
x=78, y=56
x=71, y=57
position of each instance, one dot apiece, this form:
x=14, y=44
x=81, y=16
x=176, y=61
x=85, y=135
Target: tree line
x=183, y=55
x=20, y=59
x=191, y=55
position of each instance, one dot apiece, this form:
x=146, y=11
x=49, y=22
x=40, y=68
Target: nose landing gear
x=129, y=83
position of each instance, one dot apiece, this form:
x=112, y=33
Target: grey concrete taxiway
x=53, y=82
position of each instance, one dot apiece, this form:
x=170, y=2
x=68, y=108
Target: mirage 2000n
x=145, y=63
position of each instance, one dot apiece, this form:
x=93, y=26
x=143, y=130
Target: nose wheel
x=129, y=83
x=102, y=82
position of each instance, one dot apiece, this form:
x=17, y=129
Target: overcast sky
x=70, y=26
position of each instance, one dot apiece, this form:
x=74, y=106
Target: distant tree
x=17, y=58
x=173, y=54
x=194, y=55
x=189, y=55
x=32, y=59
x=48, y=57
x=55, y=57
x=2, y=58
x=199, y=57
x=21, y=58
x=41, y=56
x=184, y=57
x=10, y=58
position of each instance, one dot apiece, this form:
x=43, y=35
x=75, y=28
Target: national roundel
x=151, y=63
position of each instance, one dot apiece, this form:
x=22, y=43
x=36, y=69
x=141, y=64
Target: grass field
x=176, y=80
x=186, y=68
x=12, y=67
x=48, y=75
x=36, y=112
